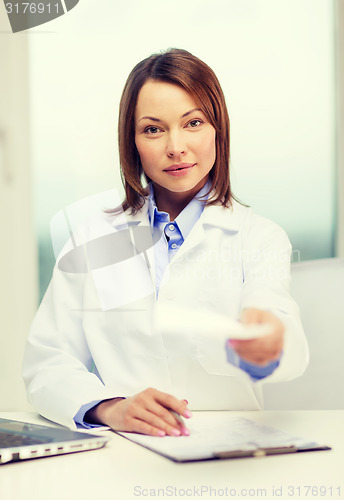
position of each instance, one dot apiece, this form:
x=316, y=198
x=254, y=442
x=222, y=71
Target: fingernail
x=233, y=343
x=186, y=401
x=185, y=431
x=161, y=433
x=175, y=432
x=187, y=414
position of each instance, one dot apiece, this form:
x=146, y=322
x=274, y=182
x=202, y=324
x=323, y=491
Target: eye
x=152, y=130
x=194, y=123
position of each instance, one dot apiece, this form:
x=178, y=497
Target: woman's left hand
x=262, y=350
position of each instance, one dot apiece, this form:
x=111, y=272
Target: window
x=275, y=61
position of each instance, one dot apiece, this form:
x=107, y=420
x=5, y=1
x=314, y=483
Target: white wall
x=275, y=61
x=18, y=264
x=339, y=16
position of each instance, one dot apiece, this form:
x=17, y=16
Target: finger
x=130, y=421
x=137, y=419
x=142, y=427
x=173, y=419
x=183, y=429
x=164, y=408
x=251, y=315
x=262, y=351
x=269, y=341
x=260, y=357
x=167, y=402
x=259, y=361
x=172, y=403
x=165, y=414
x=258, y=351
x=166, y=423
x=172, y=410
x=161, y=404
x=146, y=409
x=168, y=415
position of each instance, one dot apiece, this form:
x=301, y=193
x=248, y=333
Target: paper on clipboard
x=170, y=318
x=216, y=435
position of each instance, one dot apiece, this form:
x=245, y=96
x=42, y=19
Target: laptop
x=23, y=441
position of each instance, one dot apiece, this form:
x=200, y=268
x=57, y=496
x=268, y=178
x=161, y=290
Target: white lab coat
x=93, y=337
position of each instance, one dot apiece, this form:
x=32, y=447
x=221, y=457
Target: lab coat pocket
x=204, y=331
x=211, y=353
x=211, y=335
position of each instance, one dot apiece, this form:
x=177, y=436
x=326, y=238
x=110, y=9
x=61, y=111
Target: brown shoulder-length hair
x=179, y=67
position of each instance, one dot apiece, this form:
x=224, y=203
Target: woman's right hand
x=146, y=413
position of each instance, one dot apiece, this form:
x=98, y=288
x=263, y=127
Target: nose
x=175, y=146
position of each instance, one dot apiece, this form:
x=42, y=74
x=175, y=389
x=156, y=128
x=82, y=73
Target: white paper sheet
x=201, y=321
x=214, y=433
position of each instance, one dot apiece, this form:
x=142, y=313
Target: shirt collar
x=154, y=215
x=187, y=217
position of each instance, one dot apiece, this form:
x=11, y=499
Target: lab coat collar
x=219, y=216
x=126, y=219
x=213, y=215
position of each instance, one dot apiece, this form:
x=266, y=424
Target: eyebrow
x=158, y=120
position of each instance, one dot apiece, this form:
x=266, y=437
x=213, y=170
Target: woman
x=93, y=354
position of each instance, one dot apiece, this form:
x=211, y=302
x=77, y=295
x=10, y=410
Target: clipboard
x=220, y=435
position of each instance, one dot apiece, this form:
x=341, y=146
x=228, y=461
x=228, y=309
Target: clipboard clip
x=256, y=452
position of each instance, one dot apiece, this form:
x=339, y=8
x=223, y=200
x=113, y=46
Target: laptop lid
x=23, y=441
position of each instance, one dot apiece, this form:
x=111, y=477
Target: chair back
x=318, y=288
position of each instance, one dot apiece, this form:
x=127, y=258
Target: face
x=175, y=141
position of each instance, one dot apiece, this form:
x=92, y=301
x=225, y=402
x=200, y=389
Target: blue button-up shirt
x=173, y=233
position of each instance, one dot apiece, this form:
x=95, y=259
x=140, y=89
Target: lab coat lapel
x=222, y=217
x=213, y=215
x=194, y=238
x=141, y=235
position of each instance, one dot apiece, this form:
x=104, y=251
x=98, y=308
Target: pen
x=177, y=417
x=184, y=430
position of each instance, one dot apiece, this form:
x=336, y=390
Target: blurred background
x=280, y=66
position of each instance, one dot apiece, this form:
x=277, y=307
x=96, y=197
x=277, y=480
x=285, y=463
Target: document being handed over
x=199, y=321
x=203, y=334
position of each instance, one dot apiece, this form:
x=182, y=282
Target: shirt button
x=171, y=227
x=174, y=245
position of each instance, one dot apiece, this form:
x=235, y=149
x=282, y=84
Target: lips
x=178, y=166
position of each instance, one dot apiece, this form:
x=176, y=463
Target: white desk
x=124, y=470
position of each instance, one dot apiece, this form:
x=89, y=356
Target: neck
x=171, y=202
